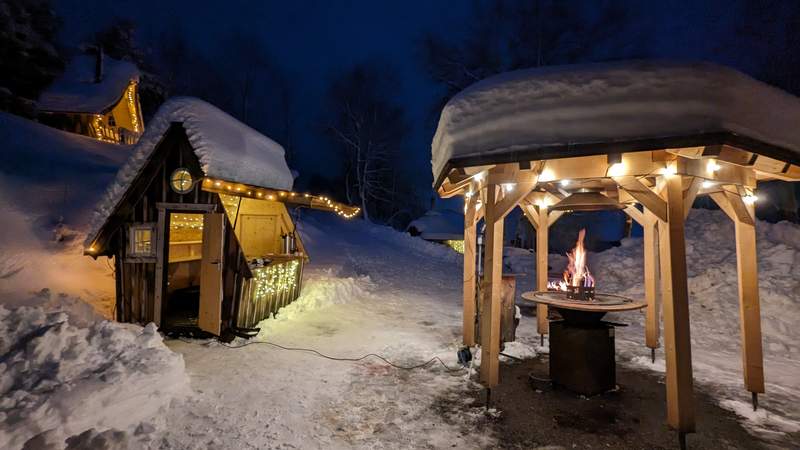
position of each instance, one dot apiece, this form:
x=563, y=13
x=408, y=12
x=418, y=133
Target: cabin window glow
x=141, y=239
x=181, y=181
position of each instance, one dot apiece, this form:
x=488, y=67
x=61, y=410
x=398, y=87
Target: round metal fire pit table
x=584, y=311
x=582, y=345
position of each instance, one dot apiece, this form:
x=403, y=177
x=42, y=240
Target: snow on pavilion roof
x=227, y=149
x=586, y=108
x=76, y=92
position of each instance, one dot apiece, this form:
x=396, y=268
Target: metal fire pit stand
x=582, y=357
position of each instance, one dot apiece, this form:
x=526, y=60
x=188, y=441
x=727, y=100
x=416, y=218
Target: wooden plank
x=741, y=211
x=186, y=206
x=160, y=283
x=490, y=303
x=470, y=226
x=651, y=279
x=675, y=292
x=210, y=315
x=542, y=324
x=636, y=215
x=690, y=194
x=722, y=201
x=531, y=214
x=643, y=195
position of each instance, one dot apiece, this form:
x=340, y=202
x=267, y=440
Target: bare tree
x=368, y=127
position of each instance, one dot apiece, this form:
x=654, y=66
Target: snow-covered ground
x=369, y=289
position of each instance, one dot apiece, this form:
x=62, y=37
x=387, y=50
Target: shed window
x=142, y=240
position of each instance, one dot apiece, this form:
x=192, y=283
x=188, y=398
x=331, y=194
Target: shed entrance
x=194, y=278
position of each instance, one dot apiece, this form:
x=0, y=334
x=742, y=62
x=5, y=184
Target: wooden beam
x=530, y=213
x=644, y=195
x=741, y=210
x=542, y=324
x=512, y=198
x=470, y=231
x=722, y=201
x=636, y=215
x=749, y=308
x=694, y=184
x=160, y=288
x=675, y=292
x=651, y=327
x=492, y=279
x=553, y=217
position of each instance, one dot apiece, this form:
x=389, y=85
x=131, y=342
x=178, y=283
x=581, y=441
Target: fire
x=577, y=272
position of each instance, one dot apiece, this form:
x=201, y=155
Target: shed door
x=259, y=235
x=210, y=314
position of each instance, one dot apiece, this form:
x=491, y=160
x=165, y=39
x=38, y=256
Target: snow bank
x=319, y=291
x=59, y=379
x=610, y=102
x=227, y=149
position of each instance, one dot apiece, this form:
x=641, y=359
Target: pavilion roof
x=580, y=110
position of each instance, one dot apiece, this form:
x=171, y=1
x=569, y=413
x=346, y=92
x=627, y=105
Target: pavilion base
x=582, y=357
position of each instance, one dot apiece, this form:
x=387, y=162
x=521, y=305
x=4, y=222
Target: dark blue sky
x=311, y=41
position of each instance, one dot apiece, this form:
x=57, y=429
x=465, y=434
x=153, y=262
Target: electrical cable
x=333, y=358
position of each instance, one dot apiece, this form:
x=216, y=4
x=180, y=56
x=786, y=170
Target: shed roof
x=227, y=149
x=577, y=110
x=75, y=90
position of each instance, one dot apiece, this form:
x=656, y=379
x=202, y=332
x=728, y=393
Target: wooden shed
x=198, y=225
x=646, y=137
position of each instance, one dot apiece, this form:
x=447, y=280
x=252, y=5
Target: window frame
x=135, y=256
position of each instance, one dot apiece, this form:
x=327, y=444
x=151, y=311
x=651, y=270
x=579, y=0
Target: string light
x=616, y=169
x=750, y=199
x=508, y=187
x=712, y=166
x=479, y=176
x=669, y=170
x=565, y=183
x=708, y=184
x=547, y=175
x=274, y=279
x=130, y=94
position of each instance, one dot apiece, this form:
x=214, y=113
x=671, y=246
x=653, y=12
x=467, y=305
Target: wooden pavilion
x=647, y=137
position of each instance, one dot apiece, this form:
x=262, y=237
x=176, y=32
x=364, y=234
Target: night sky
x=313, y=41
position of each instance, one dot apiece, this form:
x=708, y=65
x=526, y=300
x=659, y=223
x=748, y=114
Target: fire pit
x=581, y=344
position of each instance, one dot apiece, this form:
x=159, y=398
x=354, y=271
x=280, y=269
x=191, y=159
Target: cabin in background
x=442, y=226
x=198, y=225
x=96, y=96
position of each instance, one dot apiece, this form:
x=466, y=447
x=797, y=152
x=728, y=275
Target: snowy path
x=369, y=290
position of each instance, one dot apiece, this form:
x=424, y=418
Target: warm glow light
x=543, y=203
x=669, y=170
x=708, y=184
x=508, y=187
x=712, y=165
x=616, y=169
x=547, y=175
x=468, y=194
x=565, y=183
x=750, y=199
x=478, y=176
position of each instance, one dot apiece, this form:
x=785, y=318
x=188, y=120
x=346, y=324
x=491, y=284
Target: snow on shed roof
x=439, y=225
x=226, y=148
x=75, y=91
x=610, y=103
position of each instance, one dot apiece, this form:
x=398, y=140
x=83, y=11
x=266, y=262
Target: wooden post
x=651, y=327
x=743, y=216
x=470, y=225
x=675, y=294
x=490, y=303
x=542, y=324
x=749, y=309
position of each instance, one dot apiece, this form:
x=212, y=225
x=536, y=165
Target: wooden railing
x=271, y=288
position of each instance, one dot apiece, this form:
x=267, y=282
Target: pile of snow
x=64, y=373
x=610, y=102
x=76, y=90
x=227, y=149
x=439, y=225
x=320, y=291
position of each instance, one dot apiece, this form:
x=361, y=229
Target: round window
x=181, y=181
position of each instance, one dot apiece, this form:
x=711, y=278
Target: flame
x=577, y=272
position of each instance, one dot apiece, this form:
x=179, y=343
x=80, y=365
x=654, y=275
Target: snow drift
x=63, y=373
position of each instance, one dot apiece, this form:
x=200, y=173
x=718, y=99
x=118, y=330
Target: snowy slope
x=49, y=181
x=610, y=102
x=439, y=224
x=227, y=149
